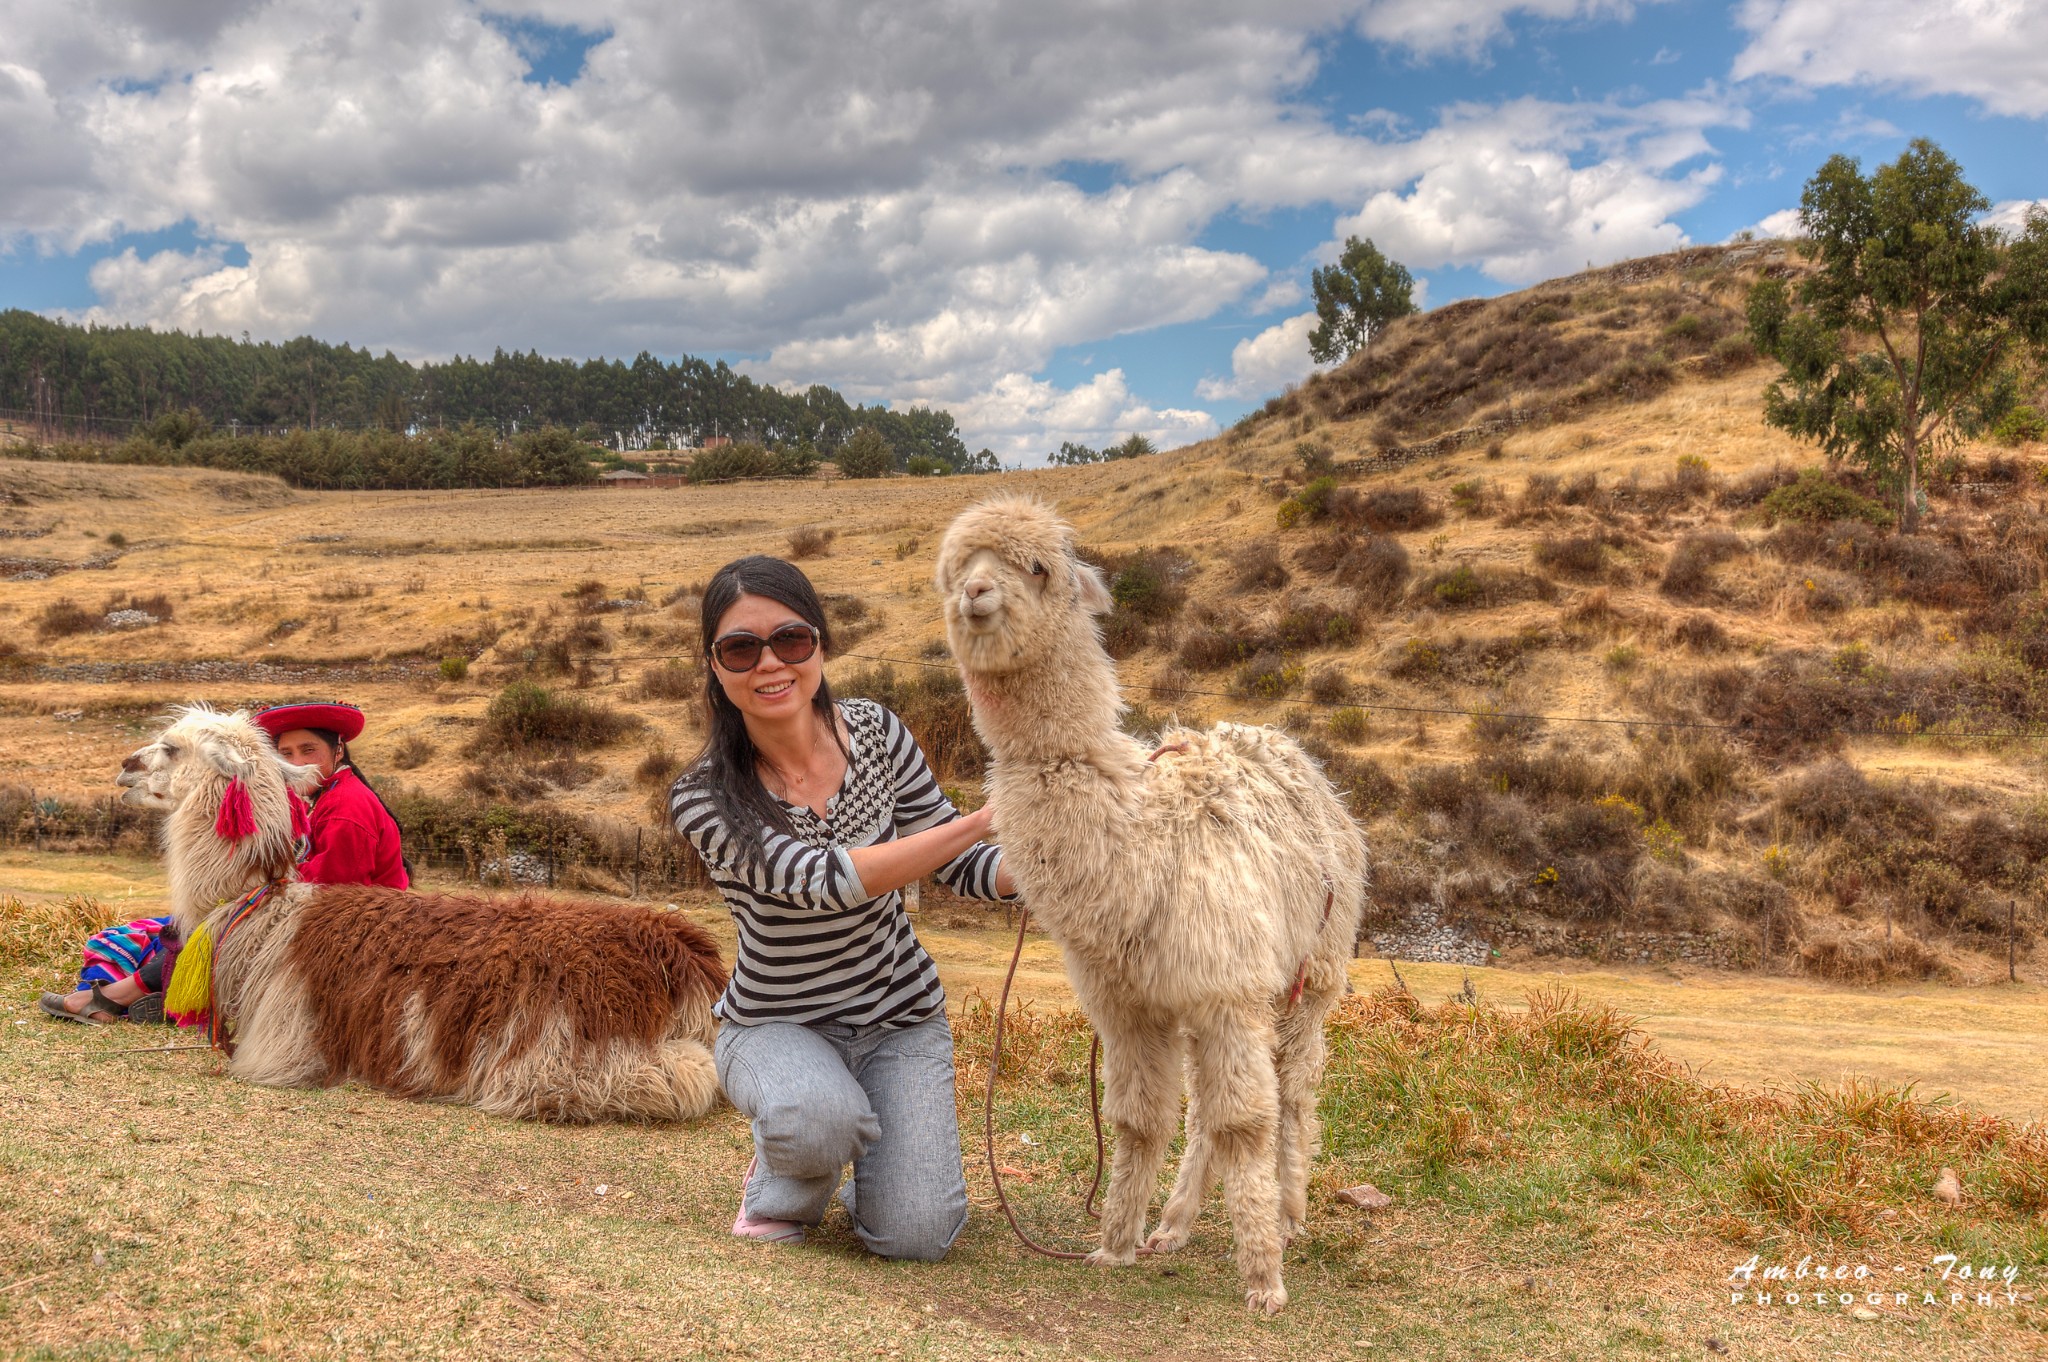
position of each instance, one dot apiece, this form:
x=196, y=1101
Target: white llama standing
x=1205, y=903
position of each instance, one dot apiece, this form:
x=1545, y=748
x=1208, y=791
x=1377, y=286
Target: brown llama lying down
x=545, y=1008
x=532, y=1006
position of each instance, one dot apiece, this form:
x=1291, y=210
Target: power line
x=1446, y=712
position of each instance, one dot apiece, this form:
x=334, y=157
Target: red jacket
x=354, y=839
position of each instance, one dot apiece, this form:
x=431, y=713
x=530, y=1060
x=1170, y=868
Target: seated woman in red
x=355, y=838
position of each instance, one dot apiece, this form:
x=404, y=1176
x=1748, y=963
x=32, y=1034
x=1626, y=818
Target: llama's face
x=201, y=746
x=1012, y=589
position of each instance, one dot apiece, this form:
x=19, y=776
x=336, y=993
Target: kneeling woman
x=811, y=815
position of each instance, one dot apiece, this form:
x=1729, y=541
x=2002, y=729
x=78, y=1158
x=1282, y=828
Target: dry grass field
x=1561, y=1192
x=1564, y=1188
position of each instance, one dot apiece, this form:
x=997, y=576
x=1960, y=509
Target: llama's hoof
x=1102, y=1257
x=1164, y=1240
x=1266, y=1300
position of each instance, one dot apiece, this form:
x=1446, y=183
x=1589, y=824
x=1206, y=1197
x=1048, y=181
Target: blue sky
x=1061, y=222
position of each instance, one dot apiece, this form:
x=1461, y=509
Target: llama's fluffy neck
x=1056, y=710
x=206, y=870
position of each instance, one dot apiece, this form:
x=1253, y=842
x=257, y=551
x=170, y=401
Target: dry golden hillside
x=1550, y=504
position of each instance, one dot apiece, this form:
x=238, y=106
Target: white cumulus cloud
x=1529, y=189
x=868, y=196
x=1987, y=50
x=1264, y=363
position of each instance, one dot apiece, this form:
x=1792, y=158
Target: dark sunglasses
x=741, y=651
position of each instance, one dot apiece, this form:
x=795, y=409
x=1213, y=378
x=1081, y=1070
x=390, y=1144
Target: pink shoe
x=769, y=1231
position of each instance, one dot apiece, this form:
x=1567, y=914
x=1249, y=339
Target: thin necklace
x=790, y=783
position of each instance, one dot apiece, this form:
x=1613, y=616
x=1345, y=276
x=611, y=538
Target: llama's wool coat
x=1204, y=902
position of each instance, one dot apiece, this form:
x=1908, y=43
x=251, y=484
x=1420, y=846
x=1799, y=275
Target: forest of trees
x=107, y=381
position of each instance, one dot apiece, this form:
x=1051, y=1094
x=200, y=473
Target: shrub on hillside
x=674, y=680
x=811, y=541
x=1374, y=565
x=1466, y=587
x=2022, y=425
x=528, y=718
x=1688, y=572
x=1259, y=567
x=63, y=618
x=1814, y=496
x=1387, y=509
x=1583, y=555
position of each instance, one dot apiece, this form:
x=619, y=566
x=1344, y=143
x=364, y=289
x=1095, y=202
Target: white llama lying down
x=1205, y=903
x=538, y=1007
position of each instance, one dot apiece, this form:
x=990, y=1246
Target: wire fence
x=1446, y=711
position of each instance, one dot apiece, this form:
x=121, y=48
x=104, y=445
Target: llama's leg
x=1299, y=1061
x=1140, y=1098
x=277, y=1042
x=1240, y=1106
x=1190, y=1185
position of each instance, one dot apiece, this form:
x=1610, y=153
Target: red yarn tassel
x=302, y=822
x=237, y=817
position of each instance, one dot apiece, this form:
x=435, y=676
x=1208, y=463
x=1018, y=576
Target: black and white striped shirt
x=814, y=946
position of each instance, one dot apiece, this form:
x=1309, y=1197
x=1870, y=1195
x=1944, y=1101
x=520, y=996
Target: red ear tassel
x=237, y=817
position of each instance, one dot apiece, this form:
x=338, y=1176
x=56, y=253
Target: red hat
x=344, y=720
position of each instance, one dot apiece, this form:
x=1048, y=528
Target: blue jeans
x=878, y=1097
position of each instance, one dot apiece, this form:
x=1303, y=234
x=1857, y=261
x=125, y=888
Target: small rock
x=1366, y=1197
x=1948, y=1188
x=1888, y=1213
x=99, y=1259
x=68, y=716
x=1863, y=1312
x=1715, y=1345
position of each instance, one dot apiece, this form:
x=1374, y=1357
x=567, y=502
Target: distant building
x=624, y=477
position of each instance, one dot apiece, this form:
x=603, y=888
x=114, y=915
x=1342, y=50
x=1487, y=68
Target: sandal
x=148, y=1010
x=90, y=1014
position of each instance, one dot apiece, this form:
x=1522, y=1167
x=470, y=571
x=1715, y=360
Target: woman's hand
x=980, y=821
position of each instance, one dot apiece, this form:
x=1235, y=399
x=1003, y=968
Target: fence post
x=35, y=813
x=2012, y=967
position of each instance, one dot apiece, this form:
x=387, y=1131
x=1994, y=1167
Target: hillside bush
x=1688, y=572
x=529, y=718
x=1816, y=497
x=63, y=618
x=1376, y=566
x=2022, y=425
x=811, y=541
x=1259, y=567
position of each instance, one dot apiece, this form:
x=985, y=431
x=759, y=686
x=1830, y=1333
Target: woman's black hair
x=343, y=758
x=726, y=766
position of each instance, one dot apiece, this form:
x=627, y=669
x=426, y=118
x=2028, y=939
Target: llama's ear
x=304, y=779
x=220, y=754
x=1089, y=588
